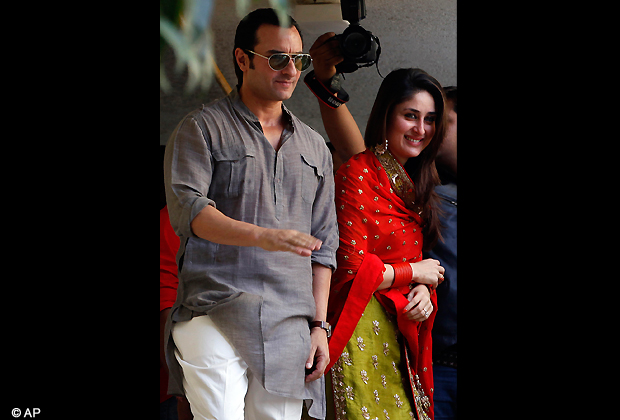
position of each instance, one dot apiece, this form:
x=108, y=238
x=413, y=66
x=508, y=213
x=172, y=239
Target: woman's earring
x=382, y=147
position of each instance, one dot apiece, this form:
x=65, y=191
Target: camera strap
x=327, y=95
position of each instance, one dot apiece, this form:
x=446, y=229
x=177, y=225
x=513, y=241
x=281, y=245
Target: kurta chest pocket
x=233, y=171
x=311, y=174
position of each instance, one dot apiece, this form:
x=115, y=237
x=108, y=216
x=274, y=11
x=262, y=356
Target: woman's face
x=411, y=126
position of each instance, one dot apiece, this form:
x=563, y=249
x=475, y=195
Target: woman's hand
x=428, y=271
x=420, y=306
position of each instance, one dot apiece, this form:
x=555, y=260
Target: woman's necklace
x=399, y=179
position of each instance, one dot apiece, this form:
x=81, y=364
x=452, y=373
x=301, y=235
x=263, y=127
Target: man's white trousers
x=218, y=383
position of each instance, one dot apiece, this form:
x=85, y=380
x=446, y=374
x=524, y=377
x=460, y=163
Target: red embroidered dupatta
x=376, y=227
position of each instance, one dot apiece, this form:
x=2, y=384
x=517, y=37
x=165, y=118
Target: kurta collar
x=245, y=112
x=240, y=107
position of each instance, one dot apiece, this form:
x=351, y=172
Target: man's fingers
x=298, y=243
x=319, y=369
x=305, y=242
x=322, y=363
x=310, y=360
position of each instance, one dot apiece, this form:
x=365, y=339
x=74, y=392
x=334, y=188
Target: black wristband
x=324, y=94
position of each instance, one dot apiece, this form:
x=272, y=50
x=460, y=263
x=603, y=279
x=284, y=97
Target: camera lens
x=355, y=44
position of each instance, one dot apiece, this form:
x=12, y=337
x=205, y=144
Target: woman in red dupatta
x=384, y=219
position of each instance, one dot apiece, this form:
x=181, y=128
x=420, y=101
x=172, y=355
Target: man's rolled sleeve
x=187, y=169
x=324, y=222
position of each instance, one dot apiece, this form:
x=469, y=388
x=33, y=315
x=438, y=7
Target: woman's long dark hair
x=399, y=86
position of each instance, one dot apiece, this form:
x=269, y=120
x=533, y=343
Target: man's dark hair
x=245, y=37
x=450, y=92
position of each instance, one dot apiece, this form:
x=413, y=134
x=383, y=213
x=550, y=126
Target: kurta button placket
x=278, y=190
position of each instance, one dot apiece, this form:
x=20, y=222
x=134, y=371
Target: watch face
x=327, y=328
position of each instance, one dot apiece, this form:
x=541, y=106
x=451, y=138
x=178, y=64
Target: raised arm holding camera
x=339, y=124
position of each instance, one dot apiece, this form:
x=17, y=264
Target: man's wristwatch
x=322, y=324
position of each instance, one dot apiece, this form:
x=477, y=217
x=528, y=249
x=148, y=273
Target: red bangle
x=403, y=274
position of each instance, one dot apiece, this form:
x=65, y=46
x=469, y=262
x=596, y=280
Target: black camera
x=360, y=48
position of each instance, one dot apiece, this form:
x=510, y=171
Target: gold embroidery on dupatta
x=422, y=401
x=399, y=180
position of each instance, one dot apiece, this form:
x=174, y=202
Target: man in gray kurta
x=246, y=180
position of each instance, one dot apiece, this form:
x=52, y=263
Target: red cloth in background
x=169, y=244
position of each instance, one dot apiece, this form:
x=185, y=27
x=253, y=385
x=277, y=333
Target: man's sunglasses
x=279, y=61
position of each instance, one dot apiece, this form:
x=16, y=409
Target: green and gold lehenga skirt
x=371, y=379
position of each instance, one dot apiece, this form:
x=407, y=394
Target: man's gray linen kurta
x=261, y=301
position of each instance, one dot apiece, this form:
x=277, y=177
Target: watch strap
x=322, y=324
